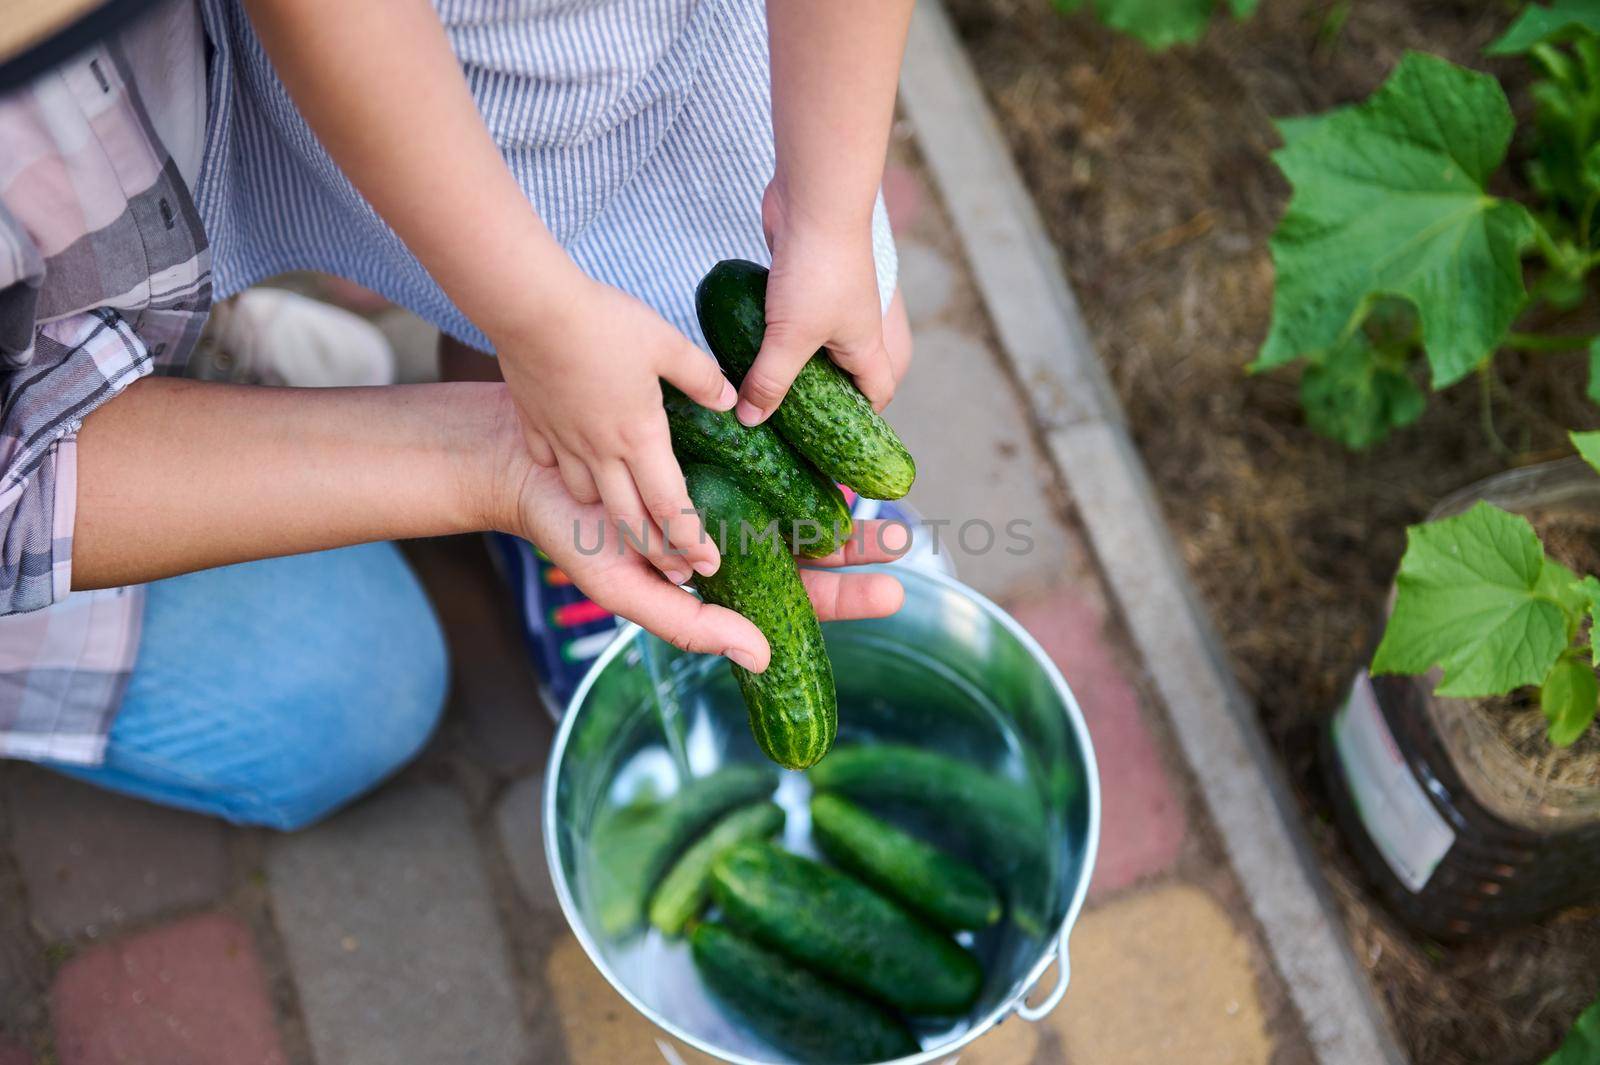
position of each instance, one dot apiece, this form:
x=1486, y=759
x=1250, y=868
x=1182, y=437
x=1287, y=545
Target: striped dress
x=640, y=131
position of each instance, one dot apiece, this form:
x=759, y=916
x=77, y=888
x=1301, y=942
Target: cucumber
x=1003, y=823
x=632, y=845
x=798, y=1013
x=815, y=518
x=948, y=893
x=683, y=892
x=794, y=710
x=843, y=929
x=825, y=416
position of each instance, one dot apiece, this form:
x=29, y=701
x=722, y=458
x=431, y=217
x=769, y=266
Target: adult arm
x=254, y=473
x=178, y=475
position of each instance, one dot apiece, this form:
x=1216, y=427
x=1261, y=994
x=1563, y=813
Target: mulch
x=1154, y=177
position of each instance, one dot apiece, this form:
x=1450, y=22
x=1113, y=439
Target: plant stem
x=1546, y=342
x=1486, y=414
x=1548, y=247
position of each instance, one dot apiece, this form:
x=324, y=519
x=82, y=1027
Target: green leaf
x=1298, y=127
x=1568, y=698
x=1588, y=445
x=1565, y=170
x=1389, y=200
x=1474, y=600
x=1358, y=395
x=1589, y=588
x=1582, y=1045
x=1536, y=25
x=1560, y=585
x=1160, y=24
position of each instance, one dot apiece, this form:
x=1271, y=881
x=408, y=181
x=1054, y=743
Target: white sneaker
x=270, y=336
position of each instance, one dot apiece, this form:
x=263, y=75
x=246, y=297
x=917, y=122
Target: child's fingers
x=634, y=527
x=684, y=621
x=698, y=376
x=539, y=449
x=869, y=364
x=783, y=352
x=576, y=476
x=660, y=483
x=852, y=596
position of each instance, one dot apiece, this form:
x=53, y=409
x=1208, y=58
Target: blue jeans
x=274, y=692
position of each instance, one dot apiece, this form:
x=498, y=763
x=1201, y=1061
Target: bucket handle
x=1053, y=999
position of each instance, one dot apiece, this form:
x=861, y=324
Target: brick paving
x=420, y=924
x=1161, y=977
x=1142, y=823
x=598, y=1027
x=187, y=993
x=92, y=860
x=393, y=937
x=520, y=825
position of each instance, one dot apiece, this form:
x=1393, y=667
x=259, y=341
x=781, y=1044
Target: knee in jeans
x=382, y=724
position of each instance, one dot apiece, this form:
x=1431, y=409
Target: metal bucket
x=950, y=672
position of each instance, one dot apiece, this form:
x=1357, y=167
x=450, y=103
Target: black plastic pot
x=1449, y=854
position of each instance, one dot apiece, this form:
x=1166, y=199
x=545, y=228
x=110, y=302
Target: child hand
x=822, y=292
x=622, y=581
x=584, y=371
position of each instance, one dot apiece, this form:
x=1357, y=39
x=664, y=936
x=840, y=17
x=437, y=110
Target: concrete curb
x=1043, y=336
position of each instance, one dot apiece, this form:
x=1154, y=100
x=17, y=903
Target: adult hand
x=623, y=581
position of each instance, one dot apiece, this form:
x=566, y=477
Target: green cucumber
x=798, y=1013
x=683, y=892
x=843, y=929
x=949, y=893
x=815, y=518
x=794, y=710
x=631, y=846
x=1003, y=823
x=825, y=416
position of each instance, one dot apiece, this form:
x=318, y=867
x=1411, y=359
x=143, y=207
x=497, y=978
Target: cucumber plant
x=1394, y=258
x=1160, y=24
x=1479, y=598
x=1582, y=1044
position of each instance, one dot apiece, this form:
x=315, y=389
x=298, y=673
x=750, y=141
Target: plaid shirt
x=104, y=278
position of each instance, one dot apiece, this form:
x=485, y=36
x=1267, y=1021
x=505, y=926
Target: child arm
x=377, y=82
x=834, y=68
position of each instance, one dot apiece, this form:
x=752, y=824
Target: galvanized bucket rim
x=1014, y=1002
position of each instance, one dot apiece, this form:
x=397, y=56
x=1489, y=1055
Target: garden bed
x=1154, y=177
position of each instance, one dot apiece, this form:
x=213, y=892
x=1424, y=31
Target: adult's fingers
x=686, y=622
x=877, y=540
x=783, y=352
x=698, y=376
x=660, y=484
x=852, y=596
x=632, y=522
x=576, y=476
